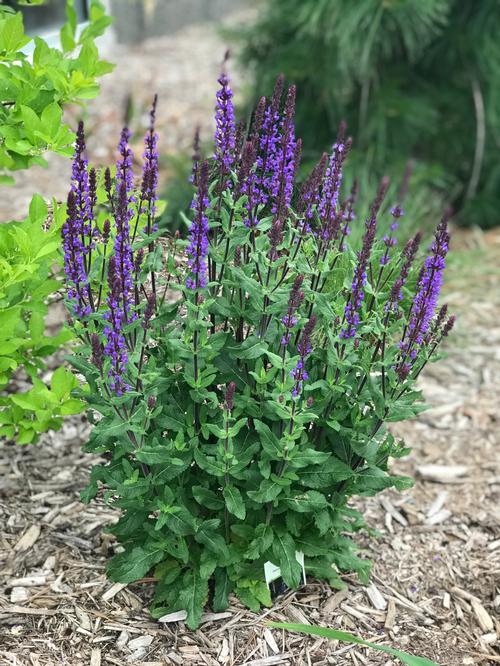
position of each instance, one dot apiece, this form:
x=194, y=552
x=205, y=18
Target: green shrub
x=35, y=89
x=32, y=97
x=28, y=250
x=241, y=414
x=412, y=78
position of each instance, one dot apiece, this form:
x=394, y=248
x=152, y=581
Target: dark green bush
x=413, y=78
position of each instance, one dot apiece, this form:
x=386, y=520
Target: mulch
x=435, y=589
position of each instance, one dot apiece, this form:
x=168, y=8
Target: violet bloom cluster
x=269, y=141
x=425, y=301
x=116, y=347
x=81, y=187
x=294, y=300
x=247, y=182
x=304, y=347
x=408, y=254
x=123, y=255
x=225, y=132
x=197, y=250
x=309, y=193
x=284, y=164
x=78, y=289
x=124, y=172
x=327, y=205
x=150, y=169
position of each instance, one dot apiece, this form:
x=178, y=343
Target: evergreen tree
x=412, y=78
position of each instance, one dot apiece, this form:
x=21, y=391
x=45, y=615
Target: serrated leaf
x=234, y=501
x=223, y=587
x=193, y=597
x=207, y=498
x=269, y=441
x=133, y=564
x=283, y=549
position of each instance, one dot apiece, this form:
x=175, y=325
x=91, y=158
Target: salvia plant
x=240, y=381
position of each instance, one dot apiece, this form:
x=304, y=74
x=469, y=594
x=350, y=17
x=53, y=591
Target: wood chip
x=18, y=594
x=482, y=615
x=270, y=661
x=438, y=517
x=391, y=614
x=269, y=638
x=392, y=511
x=441, y=473
x=140, y=642
x=438, y=503
x=178, y=616
x=95, y=657
x=113, y=591
x=335, y=600
x=375, y=597
x=29, y=581
x=28, y=539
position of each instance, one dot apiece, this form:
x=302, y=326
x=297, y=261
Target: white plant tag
x=273, y=572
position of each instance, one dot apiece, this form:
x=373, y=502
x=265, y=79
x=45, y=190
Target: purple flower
x=425, y=301
x=327, y=206
x=230, y=389
x=225, y=132
x=78, y=288
x=124, y=173
x=304, y=347
x=284, y=160
x=353, y=305
x=295, y=299
x=84, y=198
x=275, y=239
x=196, y=158
x=309, y=193
x=197, y=249
x=246, y=182
x=124, y=262
x=150, y=169
x=269, y=141
x=408, y=255
x=116, y=347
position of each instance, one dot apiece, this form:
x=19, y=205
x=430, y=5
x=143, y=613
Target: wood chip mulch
x=435, y=589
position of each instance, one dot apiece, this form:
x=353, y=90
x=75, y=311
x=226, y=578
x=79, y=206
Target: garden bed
x=435, y=586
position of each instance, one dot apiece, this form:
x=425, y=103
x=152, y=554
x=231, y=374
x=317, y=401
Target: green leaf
x=267, y=491
x=62, y=382
x=305, y=502
x=269, y=441
x=207, y=498
x=234, y=502
x=335, y=635
x=284, y=551
x=51, y=119
x=193, y=597
x=207, y=536
x=12, y=37
x=252, y=348
x=38, y=210
x=133, y=564
x=222, y=589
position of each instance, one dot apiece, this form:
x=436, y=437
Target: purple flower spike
x=197, y=250
x=284, y=162
x=275, y=239
x=84, y=191
x=327, y=206
x=78, y=288
x=269, y=142
x=150, y=168
x=225, y=132
x=351, y=312
x=116, y=347
x=425, y=301
x=309, y=193
x=123, y=255
x=408, y=254
x=304, y=347
x=124, y=173
x=295, y=299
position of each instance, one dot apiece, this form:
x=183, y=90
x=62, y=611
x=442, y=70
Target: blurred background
x=415, y=80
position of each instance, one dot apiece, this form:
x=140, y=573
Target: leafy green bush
x=239, y=415
x=413, y=79
x=35, y=89
x=27, y=255
x=33, y=92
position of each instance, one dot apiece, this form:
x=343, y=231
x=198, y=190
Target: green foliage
x=35, y=89
x=413, y=78
x=221, y=454
x=335, y=635
x=28, y=251
x=32, y=95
